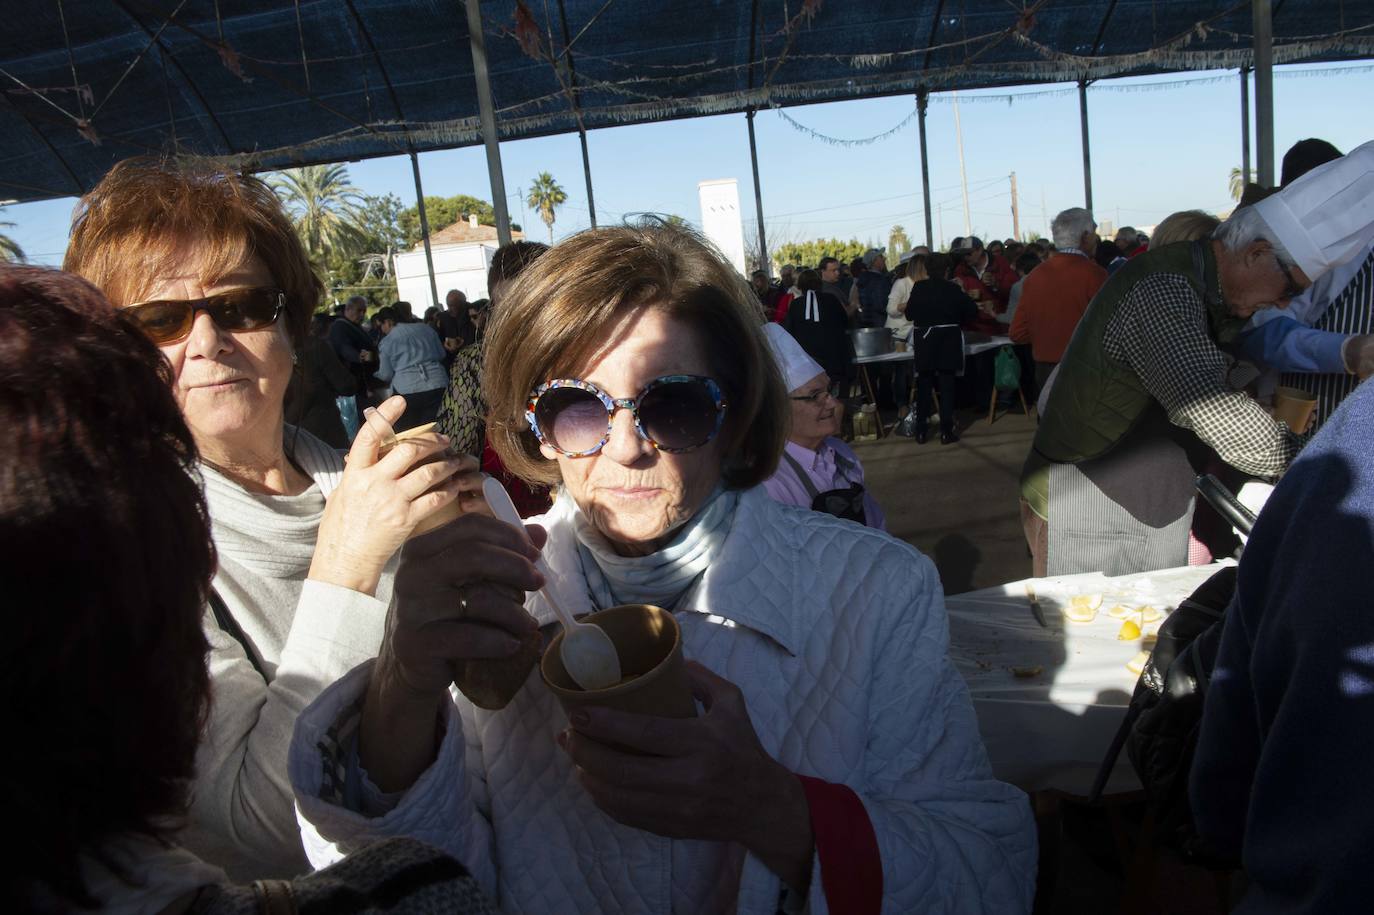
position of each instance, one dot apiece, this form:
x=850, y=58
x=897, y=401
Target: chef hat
x=1326, y=217
x=796, y=366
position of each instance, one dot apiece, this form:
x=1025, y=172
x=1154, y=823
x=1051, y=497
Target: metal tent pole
x=587, y=174
x=1244, y=125
x=424, y=228
x=487, y=113
x=922, y=100
x=766, y=266
x=1087, y=153
x=1264, y=91
x=572, y=97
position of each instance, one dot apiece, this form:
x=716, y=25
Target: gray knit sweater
x=306, y=634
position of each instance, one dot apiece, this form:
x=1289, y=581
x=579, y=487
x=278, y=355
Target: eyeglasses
x=814, y=397
x=1292, y=290
x=674, y=413
x=170, y=320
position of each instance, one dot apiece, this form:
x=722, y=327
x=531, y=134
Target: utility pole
x=1044, y=216
x=941, y=215
x=963, y=175
x=1015, y=211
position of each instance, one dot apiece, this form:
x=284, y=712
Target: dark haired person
x=311, y=397
x=463, y=413
x=937, y=309
x=820, y=323
x=411, y=357
x=103, y=664
x=207, y=263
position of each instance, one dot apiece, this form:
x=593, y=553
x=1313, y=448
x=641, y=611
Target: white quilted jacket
x=837, y=636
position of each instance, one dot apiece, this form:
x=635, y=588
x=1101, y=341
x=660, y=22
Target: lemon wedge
x=1076, y=613
x=1129, y=630
x=1120, y=612
x=1136, y=664
x=1087, y=601
x=1150, y=614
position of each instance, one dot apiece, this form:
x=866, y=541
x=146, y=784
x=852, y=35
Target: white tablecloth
x=1053, y=729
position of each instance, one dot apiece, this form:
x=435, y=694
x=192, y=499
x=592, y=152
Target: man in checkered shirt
x=1142, y=401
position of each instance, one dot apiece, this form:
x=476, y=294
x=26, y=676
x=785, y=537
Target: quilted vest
x=1097, y=400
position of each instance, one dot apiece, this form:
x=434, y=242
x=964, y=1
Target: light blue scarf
x=660, y=578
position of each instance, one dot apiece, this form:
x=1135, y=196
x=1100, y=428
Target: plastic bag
x=1006, y=371
x=348, y=412
x=906, y=426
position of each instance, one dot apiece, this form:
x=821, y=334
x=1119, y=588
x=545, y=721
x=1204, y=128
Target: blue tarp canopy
x=268, y=84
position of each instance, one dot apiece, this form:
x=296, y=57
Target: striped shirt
x=1351, y=312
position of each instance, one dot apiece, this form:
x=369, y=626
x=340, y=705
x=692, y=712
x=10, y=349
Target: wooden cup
x=1294, y=407
x=649, y=643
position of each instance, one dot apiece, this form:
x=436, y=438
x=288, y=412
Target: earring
x=295, y=357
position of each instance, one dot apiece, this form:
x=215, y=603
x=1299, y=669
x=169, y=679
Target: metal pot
x=871, y=341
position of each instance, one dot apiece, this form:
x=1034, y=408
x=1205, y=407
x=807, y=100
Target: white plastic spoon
x=587, y=651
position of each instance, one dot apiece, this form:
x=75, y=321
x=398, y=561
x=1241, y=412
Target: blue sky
x=1157, y=146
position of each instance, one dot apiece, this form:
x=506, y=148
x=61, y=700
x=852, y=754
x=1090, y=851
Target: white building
x=720, y=218
x=462, y=253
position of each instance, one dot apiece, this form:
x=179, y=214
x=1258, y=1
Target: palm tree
x=1238, y=182
x=9, y=248
x=327, y=210
x=546, y=196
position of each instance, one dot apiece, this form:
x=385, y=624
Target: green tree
x=326, y=209
x=897, y=245
x=1238, y=182
x=442, y=212
x=367, y=270
x=809, y=253
x=9, y=248
x=546, y=197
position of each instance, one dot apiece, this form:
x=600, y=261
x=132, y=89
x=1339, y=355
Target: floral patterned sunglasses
x=674, y=413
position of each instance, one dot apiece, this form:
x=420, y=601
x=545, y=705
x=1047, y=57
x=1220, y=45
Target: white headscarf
x=796, y=366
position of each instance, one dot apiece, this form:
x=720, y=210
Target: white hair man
x=1141, y=388
x=1055, y=295
x=1128, y=240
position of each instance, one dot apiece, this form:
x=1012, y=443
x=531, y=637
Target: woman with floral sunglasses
x=835, y=762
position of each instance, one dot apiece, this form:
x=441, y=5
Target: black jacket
x=934, y=303
x=825, y=338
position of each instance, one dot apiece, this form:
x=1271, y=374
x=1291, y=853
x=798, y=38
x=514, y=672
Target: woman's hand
x=378, y=503
x=700, y=778
x=459, y=597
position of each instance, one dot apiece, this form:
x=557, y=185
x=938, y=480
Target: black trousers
x=925, y=386
x=421, y=407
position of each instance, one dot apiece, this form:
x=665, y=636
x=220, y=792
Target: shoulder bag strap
x=230, y=627
x=802, y=475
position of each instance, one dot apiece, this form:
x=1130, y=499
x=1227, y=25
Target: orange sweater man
x=1055, y=295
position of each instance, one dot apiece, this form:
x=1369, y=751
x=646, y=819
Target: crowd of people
x=273, y=656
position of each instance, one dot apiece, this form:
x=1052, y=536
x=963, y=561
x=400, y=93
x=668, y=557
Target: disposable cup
x=444, y=515
x=654, y=678
x=1294, y=406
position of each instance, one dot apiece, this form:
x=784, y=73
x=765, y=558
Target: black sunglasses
x=170, y=320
